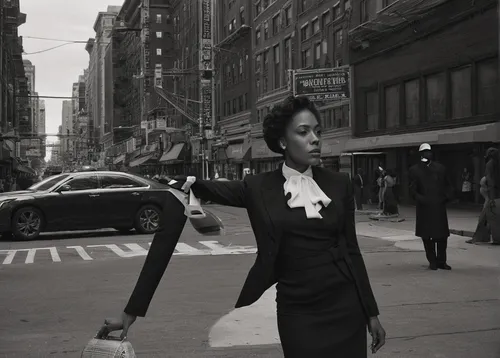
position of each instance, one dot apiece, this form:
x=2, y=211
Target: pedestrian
x=303, y=220
x=358, y=189
x=390, y=203
x=492, y=174
x=483, y=232
x=466, y=186
x=431, y=188
x=380, y=186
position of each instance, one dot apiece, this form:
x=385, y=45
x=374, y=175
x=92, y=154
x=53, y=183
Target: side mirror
x=65, y=187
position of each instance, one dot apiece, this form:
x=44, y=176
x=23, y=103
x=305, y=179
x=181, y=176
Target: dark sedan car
x=83, y=201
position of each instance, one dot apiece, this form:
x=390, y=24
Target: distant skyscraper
x=67, y=127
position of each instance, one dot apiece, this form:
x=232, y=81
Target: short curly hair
x=277, y=120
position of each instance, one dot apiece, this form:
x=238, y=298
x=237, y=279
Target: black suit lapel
x=272, y=197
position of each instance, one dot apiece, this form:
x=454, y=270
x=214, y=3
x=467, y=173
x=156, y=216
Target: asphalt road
x=54, y=300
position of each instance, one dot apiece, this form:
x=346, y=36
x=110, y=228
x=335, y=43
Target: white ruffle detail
x=305, y=192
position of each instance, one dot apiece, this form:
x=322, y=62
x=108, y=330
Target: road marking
x=133, y=250
x=185, y=249
x=10, y=256
x=81, y=251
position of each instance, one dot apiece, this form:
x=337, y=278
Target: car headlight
x=5, y=202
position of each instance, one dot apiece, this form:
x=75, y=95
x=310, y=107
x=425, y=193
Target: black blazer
x=258, y=194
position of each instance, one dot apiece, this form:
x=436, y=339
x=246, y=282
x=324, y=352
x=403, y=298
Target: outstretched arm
x=355, y=253
x=160, y=253
x=230, y=193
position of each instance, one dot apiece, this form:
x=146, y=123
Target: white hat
x=424, y=146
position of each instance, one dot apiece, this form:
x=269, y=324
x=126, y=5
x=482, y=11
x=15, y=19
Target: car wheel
x=27, y=223
x=147, y=220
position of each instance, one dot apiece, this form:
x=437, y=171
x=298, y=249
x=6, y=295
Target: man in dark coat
x=431, y=188
x=358, y=189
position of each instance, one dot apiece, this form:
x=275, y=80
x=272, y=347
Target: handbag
x=110, y=347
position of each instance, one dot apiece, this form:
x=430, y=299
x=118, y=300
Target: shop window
x=412, y=102
x=372, y=111
x=392, y=106
x=488, y=87
x=461, y=92
x=435, y=103
x=345, y=116
x=338, y=117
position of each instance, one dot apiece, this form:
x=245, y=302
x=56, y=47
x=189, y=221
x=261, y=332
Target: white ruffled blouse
x=305, y=192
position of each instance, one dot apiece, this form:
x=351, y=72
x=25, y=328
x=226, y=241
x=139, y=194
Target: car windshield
x=48, y=183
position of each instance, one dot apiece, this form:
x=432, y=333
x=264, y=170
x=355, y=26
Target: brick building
x=274, y=41
x=429, y=74
x=234, y=87
x=322, y=28
x=298, y=35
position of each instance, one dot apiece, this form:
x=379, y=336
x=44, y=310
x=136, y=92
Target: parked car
x=83, y=201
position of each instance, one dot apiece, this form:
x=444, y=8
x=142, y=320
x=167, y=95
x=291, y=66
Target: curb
x=464, y=233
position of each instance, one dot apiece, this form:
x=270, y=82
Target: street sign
x=321, y=85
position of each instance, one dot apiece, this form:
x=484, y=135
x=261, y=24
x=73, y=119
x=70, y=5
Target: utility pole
x=206, y=63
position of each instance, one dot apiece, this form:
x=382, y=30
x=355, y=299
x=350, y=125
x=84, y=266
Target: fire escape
x=392, y=18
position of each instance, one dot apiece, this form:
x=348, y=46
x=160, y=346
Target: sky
x=58, y=69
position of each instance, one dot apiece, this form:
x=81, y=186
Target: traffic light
x=206, y=74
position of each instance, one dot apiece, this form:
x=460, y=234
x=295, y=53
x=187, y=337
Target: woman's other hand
x=378, y=334
x=116, y=324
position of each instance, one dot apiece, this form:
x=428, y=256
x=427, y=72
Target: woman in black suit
x=303, y=219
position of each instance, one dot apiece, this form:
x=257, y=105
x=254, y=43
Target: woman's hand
x=378, y=334
x=111, y=325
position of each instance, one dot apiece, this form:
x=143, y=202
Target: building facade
x=234, y=87
x=432, y=78
x=14, y=111
x=41, y=128
x=322, y=43
x=67, y=131
x=99, y=90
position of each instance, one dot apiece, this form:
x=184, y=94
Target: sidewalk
x=462, y=222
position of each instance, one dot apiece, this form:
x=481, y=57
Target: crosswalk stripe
x=81, y=251
x=132, y=250
x=185, y=249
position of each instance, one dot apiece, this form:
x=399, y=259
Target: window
x=372, y=122
x=266, y=60
x=304, y=32
x=257, y=86
x=326, y=18
x=241, y=68
x=49, y=182
x=488, y=87
x=337, y=113
x=83, y=183
x=461, y=92
x=347, y=4
x=159, y=35
x=315, y=26
x=158, y=51
x=317, y=51
x=242, y=15
x=117, y=181
x=276, y=24
x=412, y=102
x=257, y=63
x=338, y=38
x=392, y=106
x=345, y=116
x=245, y=101
x=306, y=55
x=287, y=59
x=265, y=4
x=234, y=105
x=240, y=102
x=257, y=8
x=158, y=18
x=266, y=30
x=435, y=104
x=277, y=73
x=257, y=36
x=324, y=44
x=336, y=12
x=288, y=16
x=363, y=11
x=303, y=5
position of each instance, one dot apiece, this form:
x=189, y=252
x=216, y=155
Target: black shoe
x=433, y=267
x=444, y=267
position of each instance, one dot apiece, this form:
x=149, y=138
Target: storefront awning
x=24, y=169
x=238, y=152
x=473, y=134
x=119, y=159
x=261, y=151
x=173, y=154
x=141, y=160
